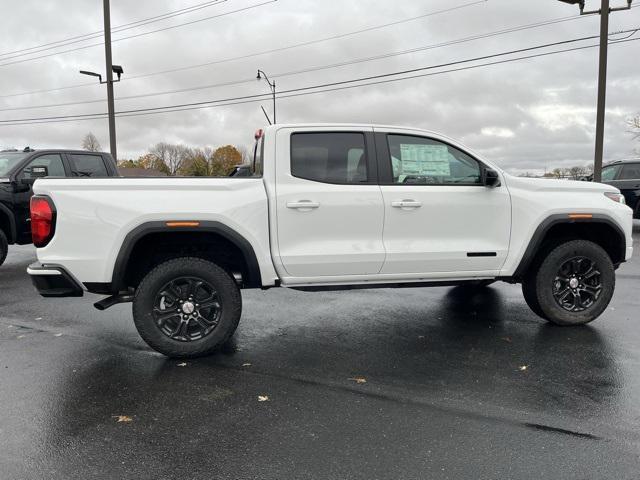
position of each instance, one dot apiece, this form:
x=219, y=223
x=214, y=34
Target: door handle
x=406, y=204
x=303, y=205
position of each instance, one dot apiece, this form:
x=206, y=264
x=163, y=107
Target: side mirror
x=35, y=172
x=490, y=178
x=39, y=171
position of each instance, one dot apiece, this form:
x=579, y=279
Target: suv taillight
x=43, y=220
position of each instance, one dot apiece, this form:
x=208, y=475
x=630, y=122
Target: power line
x=333, y=86
x=139, y=34
x=433, y=46
x=318, y=68
x=247, y=100
x=120, y=28
x=307, y=43
x=312, y=42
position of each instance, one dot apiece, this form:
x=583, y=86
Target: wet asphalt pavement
x=459, y=384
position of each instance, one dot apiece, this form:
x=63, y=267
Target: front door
x=329, y=206
x=626, y=177
x=439, y=217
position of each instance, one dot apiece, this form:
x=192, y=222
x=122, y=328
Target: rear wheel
x=187, y=307
x=573, y=285
x=4, y=247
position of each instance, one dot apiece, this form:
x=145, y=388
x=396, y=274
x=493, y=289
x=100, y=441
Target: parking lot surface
x=403, y=384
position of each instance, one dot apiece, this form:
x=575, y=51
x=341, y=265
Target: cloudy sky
x=526, y=115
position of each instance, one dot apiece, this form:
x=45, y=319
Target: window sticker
x=424, y=160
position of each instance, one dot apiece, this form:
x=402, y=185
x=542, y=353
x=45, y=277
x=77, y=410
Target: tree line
x=177, y=159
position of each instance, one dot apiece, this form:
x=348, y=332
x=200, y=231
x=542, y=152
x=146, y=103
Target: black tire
x=4, y=247
x=153, y=308
x=529, y=293
x=573, y=285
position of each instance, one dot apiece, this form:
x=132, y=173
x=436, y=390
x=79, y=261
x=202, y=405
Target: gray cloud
x=525, y=115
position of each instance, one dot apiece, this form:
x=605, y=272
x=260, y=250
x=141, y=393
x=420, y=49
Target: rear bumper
x=54, y=281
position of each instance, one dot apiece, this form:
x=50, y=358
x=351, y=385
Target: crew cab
x=327, y=207
x=18, y=172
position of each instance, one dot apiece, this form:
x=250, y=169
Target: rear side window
x=630, y=172
x=331, y=157
x=53, y=162
x=88, y=165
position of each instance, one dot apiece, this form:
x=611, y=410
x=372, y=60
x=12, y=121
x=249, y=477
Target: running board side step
x=123, y=297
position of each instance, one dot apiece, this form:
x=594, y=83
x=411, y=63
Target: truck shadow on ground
x=466, y=347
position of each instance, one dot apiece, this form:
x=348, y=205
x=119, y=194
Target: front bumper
x=54, y=281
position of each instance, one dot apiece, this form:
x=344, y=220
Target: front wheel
x=573, y=285
x=187, y=307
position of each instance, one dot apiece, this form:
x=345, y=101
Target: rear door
x=329, y=206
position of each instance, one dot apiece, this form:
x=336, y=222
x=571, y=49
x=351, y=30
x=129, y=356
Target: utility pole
x=111, y=69
x=605, y=10
x=109, y=66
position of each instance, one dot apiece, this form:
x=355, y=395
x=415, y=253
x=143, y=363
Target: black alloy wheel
x=577, y=285
x=187, y=309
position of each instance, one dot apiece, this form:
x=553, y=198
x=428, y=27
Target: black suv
x=625, y=176
x=18, y=172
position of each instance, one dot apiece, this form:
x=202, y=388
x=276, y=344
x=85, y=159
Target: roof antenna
x=266, y=115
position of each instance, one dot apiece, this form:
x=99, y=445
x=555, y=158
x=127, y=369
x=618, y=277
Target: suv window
x=424, y=161
x=52, y=161
x=630, y=171
x=331, y=157
x=610, y=173
x=88, y=165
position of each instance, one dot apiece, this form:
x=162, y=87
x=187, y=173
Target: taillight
x=43, y=220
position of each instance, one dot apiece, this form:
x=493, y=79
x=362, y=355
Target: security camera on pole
x=604, y=12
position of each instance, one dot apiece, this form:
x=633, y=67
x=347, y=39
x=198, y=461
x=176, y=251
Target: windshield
x=609, y=173
x=8, y=160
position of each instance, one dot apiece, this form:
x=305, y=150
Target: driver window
x=424, y=161
x=53, y=162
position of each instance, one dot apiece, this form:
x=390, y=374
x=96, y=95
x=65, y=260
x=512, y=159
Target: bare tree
x=173, y=156
x=91, y=143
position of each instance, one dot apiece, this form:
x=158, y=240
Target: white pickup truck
x=327, y=207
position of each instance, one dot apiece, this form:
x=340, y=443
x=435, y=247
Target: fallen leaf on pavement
x=358, y=380
x=263, y=398
x=123, y=418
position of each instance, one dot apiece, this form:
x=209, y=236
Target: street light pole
x=605, y=10
x=602, y=90
x=109, y=67
x=272, y=86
